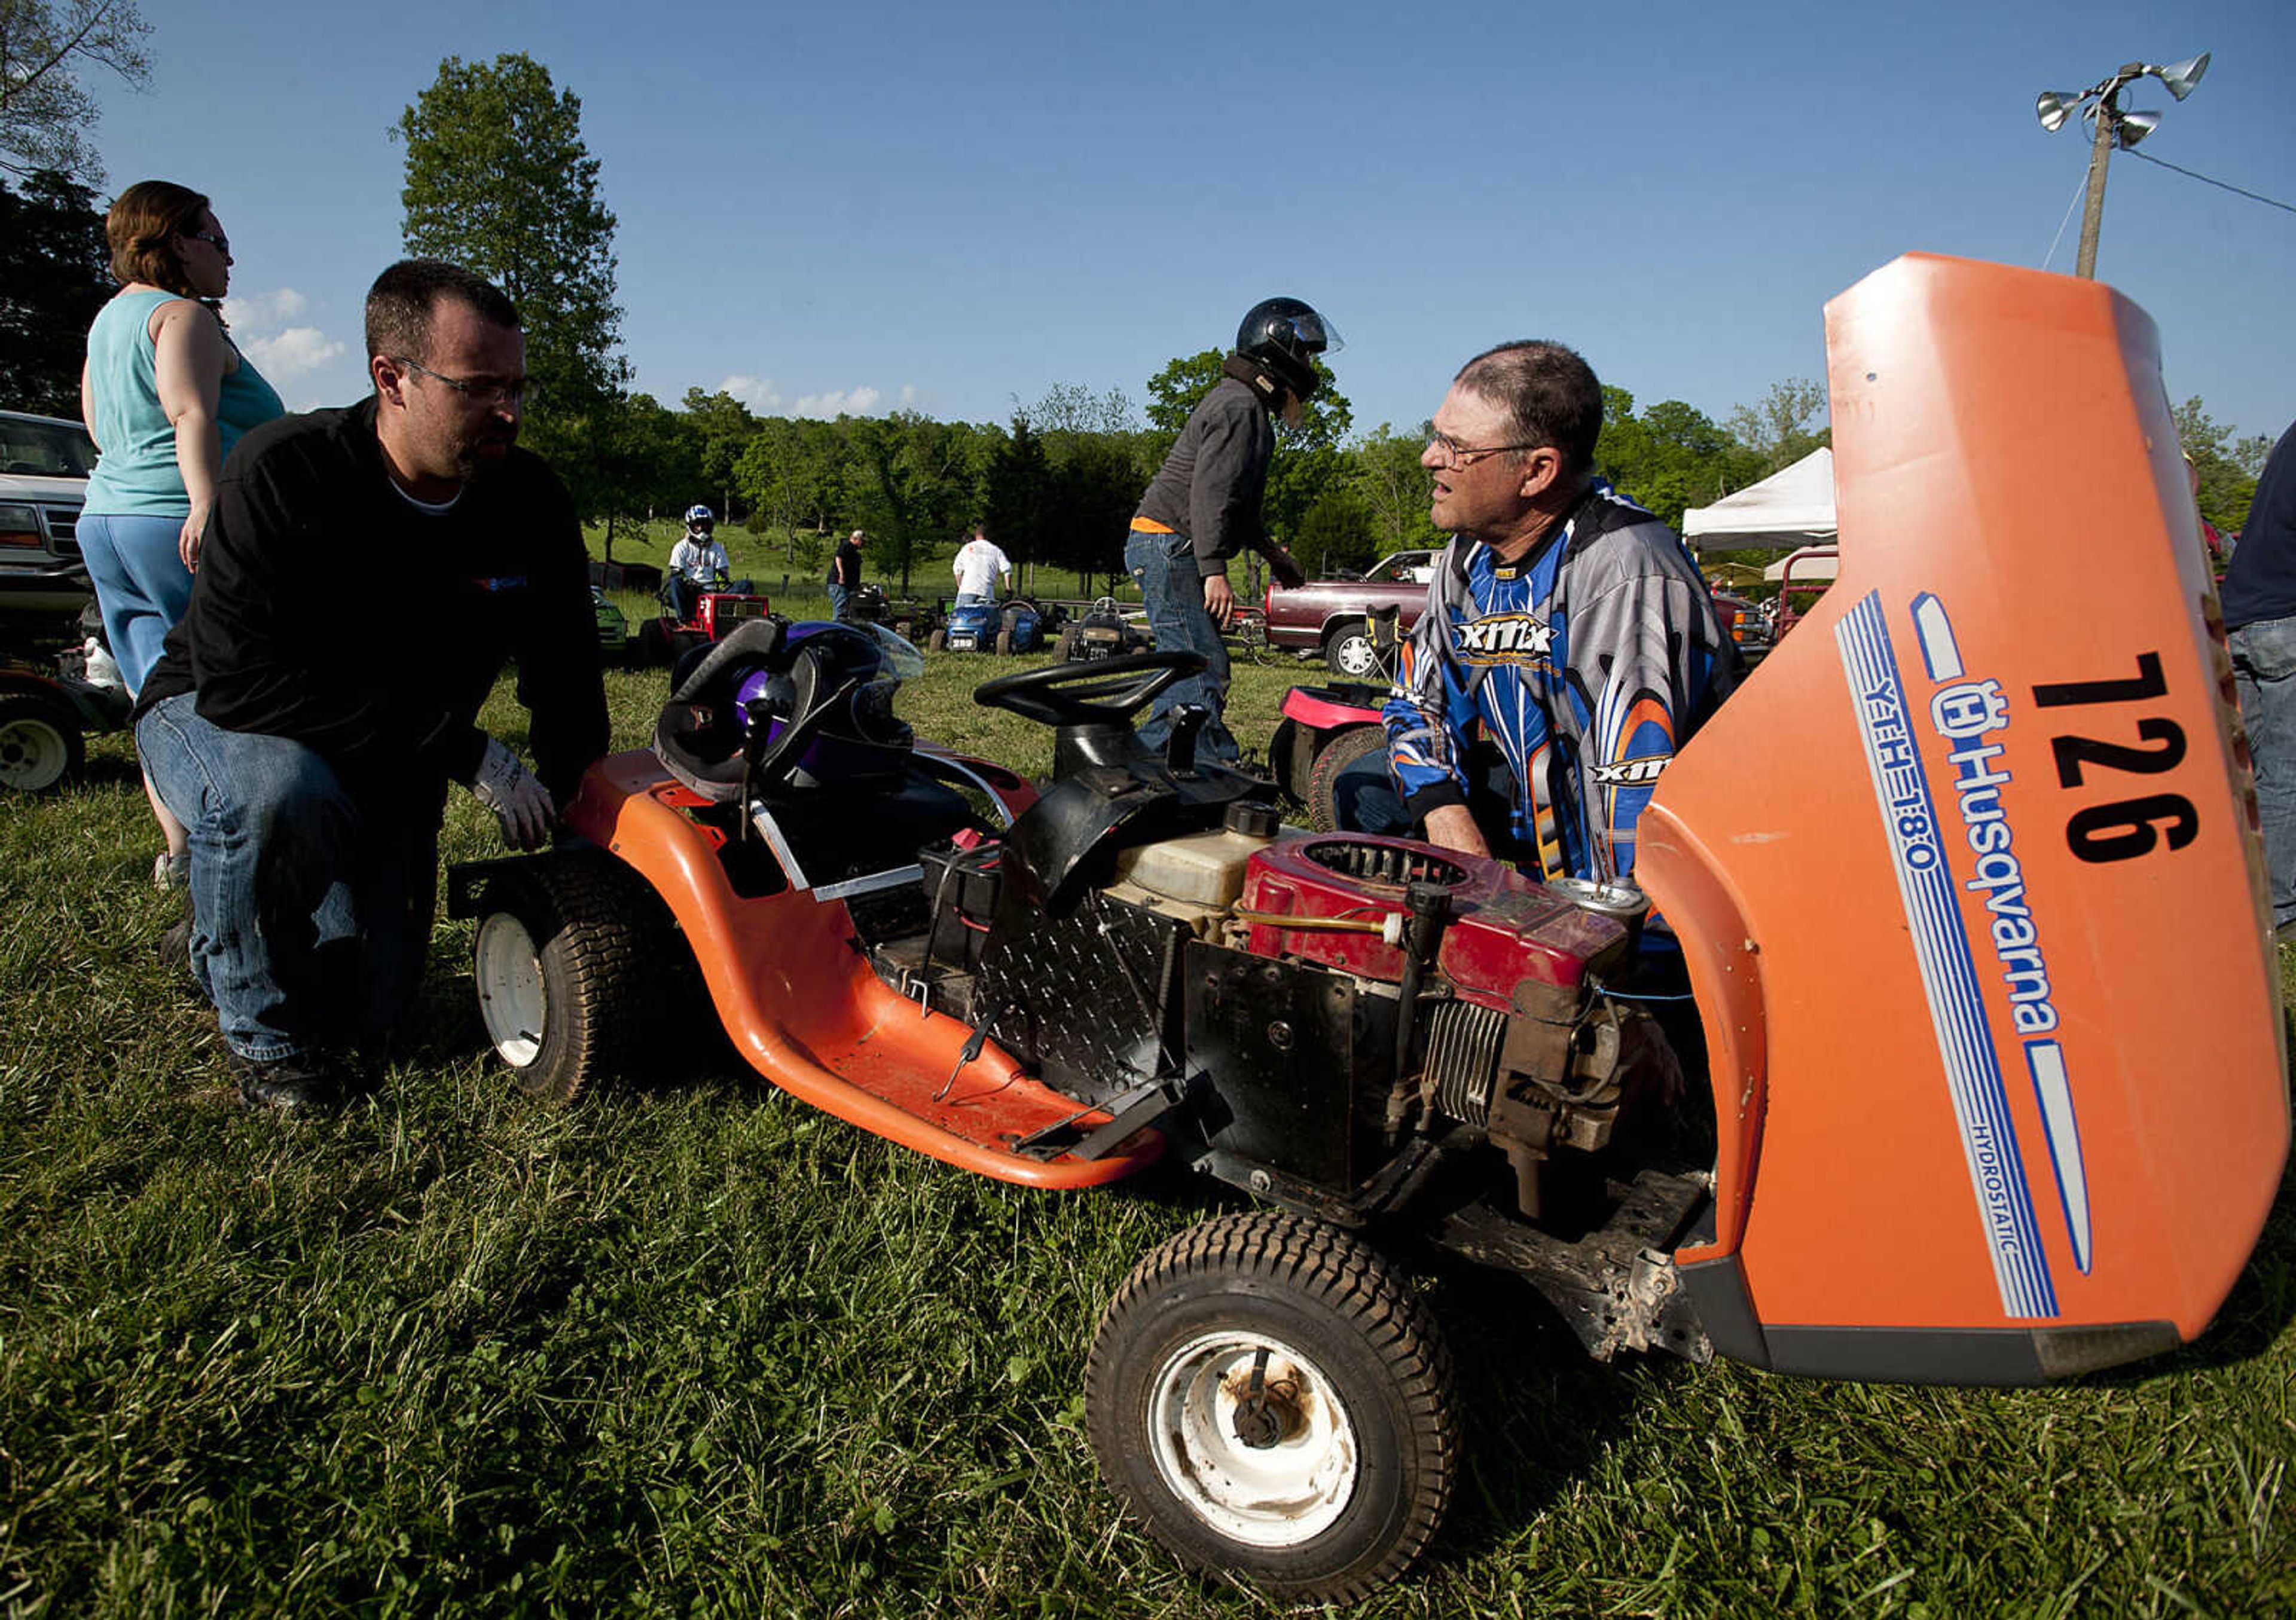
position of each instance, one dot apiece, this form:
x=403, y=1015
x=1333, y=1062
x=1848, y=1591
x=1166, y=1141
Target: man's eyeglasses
x=214, y=239
x=1450, y=452
x=478, y=390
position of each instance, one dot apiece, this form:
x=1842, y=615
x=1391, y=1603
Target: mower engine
x=1315, y=1012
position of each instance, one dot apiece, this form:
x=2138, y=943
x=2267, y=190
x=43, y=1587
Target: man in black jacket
x=365, y=575
x=1203, y=507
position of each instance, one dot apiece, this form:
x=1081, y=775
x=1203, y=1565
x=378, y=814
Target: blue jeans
x=2264, y=670
x=1170, y=583
x=310, y=904
x=974, y=599
x=141, y=584
x=839, y=595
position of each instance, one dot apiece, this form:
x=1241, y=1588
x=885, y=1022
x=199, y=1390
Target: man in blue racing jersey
x=1564, y=625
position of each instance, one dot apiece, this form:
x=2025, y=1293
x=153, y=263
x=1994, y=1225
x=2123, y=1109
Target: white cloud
x=293, y=353
x=838, y=402
x=760, y=394
x=281, y=352
x=262, y=312
x=757, y=393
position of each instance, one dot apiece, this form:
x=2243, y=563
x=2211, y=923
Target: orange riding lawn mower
x=1981, y=1082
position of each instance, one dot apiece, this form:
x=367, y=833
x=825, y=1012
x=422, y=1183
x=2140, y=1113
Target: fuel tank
x=1504, y=929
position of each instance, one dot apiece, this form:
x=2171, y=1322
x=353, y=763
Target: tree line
x=497, y=177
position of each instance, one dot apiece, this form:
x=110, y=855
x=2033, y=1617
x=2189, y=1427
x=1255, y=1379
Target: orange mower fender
x=802, y=1004
x=1969, y=876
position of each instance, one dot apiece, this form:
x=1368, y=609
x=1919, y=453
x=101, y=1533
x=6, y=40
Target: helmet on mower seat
x=698, y=514
x=836, y=681
x=856, y=673
x=1284, y=335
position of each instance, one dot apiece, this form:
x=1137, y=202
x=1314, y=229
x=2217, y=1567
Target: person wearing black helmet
x=1203, y=506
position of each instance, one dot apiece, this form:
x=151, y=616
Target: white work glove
x=521, y=803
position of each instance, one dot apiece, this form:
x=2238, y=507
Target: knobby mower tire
x=1064, y=645
x=1324, y=778
x=938, y=641
x=40, y=744
x=564, y=961
x=651, y=645
x=1003, y=643
x=1346, y=1476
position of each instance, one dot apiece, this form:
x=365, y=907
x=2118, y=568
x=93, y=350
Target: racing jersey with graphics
x=1587, y=663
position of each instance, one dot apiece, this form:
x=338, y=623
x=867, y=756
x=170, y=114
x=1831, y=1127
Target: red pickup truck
x=1329, y=614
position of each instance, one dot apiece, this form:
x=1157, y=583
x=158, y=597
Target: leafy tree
x=54, y=276
x=645, y=461
x=1015, y=491
x=1068, y=408
x=498, y=179
x=1777, y=429
x=914, y=480
x=794, y=471
x=2227, y=486
x=1385, y=474
x=1670, y=457
x=722, y=428
x=1337, y=531
x=44, y=110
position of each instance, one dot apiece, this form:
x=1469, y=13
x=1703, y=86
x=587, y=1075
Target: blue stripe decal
x=1926, y=884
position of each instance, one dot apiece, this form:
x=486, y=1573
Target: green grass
x=698, y=1349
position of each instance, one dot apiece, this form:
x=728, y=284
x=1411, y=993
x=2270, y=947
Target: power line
x=2219, y=184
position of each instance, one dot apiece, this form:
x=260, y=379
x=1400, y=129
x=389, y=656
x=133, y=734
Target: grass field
x=696, y=1349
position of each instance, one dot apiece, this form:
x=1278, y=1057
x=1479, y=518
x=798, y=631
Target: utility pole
x=2100, y=155
x=2114, y=127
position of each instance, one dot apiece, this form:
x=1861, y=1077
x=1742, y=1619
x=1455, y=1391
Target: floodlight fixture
x=2100, y=106
x=2182, y=75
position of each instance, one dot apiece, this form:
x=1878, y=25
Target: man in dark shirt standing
x=1203, y=507
x=845, y=572
x=304, y=726
x=2259, y=613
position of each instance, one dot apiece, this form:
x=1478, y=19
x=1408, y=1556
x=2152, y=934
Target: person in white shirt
x=980, y=563
x=696, y=562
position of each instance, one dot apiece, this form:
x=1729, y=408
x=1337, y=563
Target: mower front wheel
x=938, y=641
x=1336, y=756
x=562, y=975
x=1270, y=1400
x=40, y=743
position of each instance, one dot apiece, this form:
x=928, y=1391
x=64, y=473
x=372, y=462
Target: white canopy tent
x=1792, y=507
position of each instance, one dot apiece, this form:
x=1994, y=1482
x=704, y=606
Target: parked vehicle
x=1806, y=574
x=44, y=463
x=613, y=627
x=665, y=638
x=1747, y=621
x=1945, y=1139
x=46, y=717
x=1329, y=616
x=1015, y=625
x=1104, y=632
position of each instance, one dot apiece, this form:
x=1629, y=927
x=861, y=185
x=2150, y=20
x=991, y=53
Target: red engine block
x=1504, y=929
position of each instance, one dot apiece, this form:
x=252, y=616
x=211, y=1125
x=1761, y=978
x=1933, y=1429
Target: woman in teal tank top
x=166, y=395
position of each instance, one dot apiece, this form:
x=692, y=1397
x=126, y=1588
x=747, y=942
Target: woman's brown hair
x=142, y=227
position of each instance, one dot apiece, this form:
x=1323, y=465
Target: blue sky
x=868, y=205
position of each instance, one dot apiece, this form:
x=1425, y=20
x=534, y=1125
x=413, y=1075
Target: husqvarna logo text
x=1505, y=638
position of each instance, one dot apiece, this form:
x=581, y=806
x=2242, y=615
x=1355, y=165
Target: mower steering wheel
x=1106, y=693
